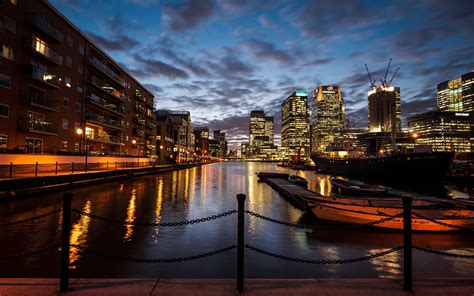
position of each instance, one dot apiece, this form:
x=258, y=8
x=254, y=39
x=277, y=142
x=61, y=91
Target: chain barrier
x=386, y=219
x=442, y=253
x=22, y=254
x=166, y=224
x=32, y=218
x=309, y=261
x=442, y=223
x=156, y=260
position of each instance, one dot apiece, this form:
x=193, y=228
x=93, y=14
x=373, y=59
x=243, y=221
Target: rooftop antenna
x=384, y=81
x=372, y=82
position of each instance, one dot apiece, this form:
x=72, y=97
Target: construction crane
x=384, y=81
x=372, y=82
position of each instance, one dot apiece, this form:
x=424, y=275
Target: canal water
x=201, y=192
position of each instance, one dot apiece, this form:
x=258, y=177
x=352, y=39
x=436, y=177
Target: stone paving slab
x=253, y=287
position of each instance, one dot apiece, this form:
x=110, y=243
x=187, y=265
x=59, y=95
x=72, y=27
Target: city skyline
x=198, y=53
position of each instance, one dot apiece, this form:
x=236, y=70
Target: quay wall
x=51, y=158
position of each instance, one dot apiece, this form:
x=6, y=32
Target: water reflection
x=159, y=202
x=130, y=216
x=387, y=266
x=79, y=233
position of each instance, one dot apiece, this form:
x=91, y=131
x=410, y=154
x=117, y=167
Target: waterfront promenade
x=211, y=287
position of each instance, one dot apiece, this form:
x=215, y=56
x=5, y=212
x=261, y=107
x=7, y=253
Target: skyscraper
x=269, y=129
x=384, y=107
x=456, y=95
x=295, y=123
x=261, y=131
x=327, y=116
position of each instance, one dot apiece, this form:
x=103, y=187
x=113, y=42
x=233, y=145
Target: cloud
x=265, y=21
x=318, y=62
x=116, y=43
x=154, y=68
x=266, y=50
x=187, y=15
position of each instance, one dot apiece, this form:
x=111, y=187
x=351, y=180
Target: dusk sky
x=221, y=59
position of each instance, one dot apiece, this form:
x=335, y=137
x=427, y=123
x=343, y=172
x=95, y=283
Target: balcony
x=151, y=125
x=116, y=109
x=40, y=127
x=106, y=88
x=101, y=120
x=46, y=26
x=140, y=120
x=42, y=101
x=140, y=108
x=45, y=77
x=41, y=48
x=140, y=132
x=106, y=70
x=105, y=138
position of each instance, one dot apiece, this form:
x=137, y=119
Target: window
x=66, y=103
x=78, y=107
x=65, y=124
x=4, y=110
x=80, y=68
x=69, y=62
x=3, y=141
x=76, y=146
x=63, y=145
x=7, y=52
x=70, y=41
x=5, y=81
x=13, y=2
x=67, y=81
x=9, y=24
x=81, y=49
x=80, y=88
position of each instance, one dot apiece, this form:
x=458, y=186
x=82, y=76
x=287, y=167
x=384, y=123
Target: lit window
x=5, y=81
x=66, y=103
x=69, y=62
x=3, y=141
x=65, y=124
x=67, y=81
x=13, y=2
x=4, y=110
x=64, y=145
x=7, y=52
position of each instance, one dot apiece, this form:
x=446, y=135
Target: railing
x=241, y=245
x=106, y=70
x=44, y=24
x=29, y=125
x=102, y=137
x=43, y=49
x=140, y=120
x=150, y=125
x=102, y=120
x=106, y=105
x=46, y=77
x=139, y=107
x=104, y=86
x=42, y=101
x=139, y=132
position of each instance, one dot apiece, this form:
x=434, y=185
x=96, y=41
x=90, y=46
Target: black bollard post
x=407, y=245
x=11, y=170
x=240, y=242
x=36, y=170
x=56, y=168
x=65, y=239
x=72, y=167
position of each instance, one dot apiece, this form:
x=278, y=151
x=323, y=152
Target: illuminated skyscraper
x=260, y=130
x=384, y=107
x=295, y=122
x=327, y=117
x=456, y=95
x=269, y=129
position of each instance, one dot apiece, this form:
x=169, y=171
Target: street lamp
x=79, y=132
x=134, y=142
x=161, y=154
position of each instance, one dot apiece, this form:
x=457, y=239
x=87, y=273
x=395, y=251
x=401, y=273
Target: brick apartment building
x=54, y=80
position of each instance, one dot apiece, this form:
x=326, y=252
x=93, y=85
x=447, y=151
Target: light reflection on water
x=210, y=190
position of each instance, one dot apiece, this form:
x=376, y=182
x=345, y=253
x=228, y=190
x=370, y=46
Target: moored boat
x=391, y=202
x=298, y=180
x=342, y=186
x=331, y=213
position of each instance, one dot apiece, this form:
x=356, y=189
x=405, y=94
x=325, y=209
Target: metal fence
x=65, y=245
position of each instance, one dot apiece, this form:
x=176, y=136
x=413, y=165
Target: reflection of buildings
x=327, y=119
x=456, y=95
x=295, y=122
x=54, y=79
x=384, y=107
x=130, y=216
x=79, y=231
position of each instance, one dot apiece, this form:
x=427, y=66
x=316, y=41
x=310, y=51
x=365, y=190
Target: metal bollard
x=240, y=242
x=56, y=168
x=36, y=170
x=72, y=167
x=65, y=240
x=407, y=245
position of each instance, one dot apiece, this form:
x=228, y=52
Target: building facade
x=221, y=142
x=261, y=131
x=384, y=108
x=201, y=142
x=164, y=137
x=55, y=81
x=444, y=131
x=456, y=95
x=295, y=123
x=182, y=136
x=327, y=117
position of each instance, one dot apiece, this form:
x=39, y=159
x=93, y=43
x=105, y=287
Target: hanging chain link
x=32, y=218
x=442, y=223
x=386, y=219
x=309, y=261
x=155, y=260
x=442, y=253
x=166, y=224
x=35, y=252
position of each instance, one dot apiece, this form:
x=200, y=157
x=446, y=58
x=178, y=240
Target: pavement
x=211, y=287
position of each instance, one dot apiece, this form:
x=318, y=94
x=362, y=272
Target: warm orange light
x=79, y=131
x=415, y=135
x=161, y=146
x=134, y=141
